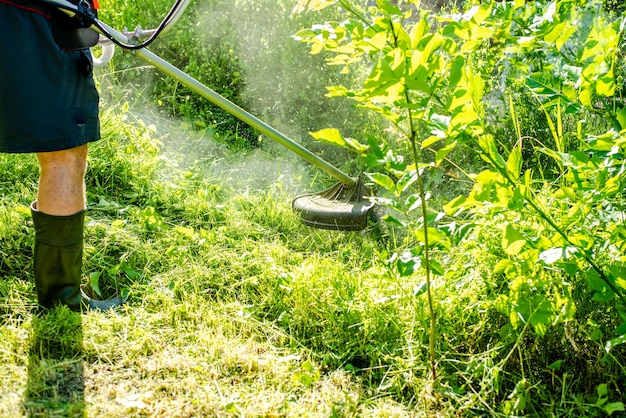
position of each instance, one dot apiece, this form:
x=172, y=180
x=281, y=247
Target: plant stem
x=432, y=334
x=431, y=306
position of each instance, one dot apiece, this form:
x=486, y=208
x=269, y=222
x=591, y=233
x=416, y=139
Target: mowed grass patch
x=218, y=276
x=173, y=362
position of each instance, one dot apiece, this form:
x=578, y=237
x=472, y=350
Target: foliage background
x=243, y=51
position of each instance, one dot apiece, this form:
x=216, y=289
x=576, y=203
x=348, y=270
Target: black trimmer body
x=340, y=208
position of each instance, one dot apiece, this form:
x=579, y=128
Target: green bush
x=539, y=226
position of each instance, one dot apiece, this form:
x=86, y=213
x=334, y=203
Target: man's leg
x=62, y=181
x=59, y=216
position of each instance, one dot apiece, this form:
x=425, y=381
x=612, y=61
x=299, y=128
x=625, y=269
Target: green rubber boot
x=58, y=261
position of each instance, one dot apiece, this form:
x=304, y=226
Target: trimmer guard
x=339, y=207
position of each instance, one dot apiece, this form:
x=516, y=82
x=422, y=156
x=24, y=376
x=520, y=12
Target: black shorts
x=48, y=98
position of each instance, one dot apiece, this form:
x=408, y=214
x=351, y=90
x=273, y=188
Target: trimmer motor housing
x=340, y=207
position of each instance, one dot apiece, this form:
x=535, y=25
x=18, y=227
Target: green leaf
x=231, y=408
x=621, y=117
x=132, y=274
x=385, y=83
x=94, y=282
x=582, y=239
x=540, y=88
x=602, y=291
x=479, y=14
x=330, y=136
x=512, y=241
x=456, y=205
x=586, y=95
x=406, y=181
x=514, y=163
x=615, y=342
x=393, y=221
x=560, y=33
x=618, y=274
x=403, y=40
x=488, y=146
x=407, y=264
x=605, y=86
x=517, y=200
x=379, y=40
x=419, y=289
x=338, y=91
x=464, y=85
x=517, y=399
x=436, y=237
x=503, y=265
x=613, y=407
x=418, y=31
x=556, y=365
x=388, y=8
x=432, y=140
x=596, y=335
x=383, y=181
x=543, y=314
x=443, y=152
x=436, y=268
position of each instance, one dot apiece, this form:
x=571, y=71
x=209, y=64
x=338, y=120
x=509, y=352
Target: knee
x=72, y=161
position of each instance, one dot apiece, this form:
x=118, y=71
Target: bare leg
x=59, y=219
x=62, y=181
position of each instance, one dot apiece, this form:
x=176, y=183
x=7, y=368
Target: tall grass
x=235, y=308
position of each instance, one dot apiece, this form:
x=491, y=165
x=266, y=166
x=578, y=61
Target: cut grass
x=200, y=334
x=209, y=362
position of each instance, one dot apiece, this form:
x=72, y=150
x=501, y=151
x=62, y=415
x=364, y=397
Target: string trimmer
x=341, y=207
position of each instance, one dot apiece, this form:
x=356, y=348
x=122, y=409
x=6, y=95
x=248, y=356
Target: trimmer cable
x=86, y=13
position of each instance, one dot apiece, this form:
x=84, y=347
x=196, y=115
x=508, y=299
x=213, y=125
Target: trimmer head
x=339, y=207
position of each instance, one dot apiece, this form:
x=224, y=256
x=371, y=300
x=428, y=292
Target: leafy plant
x=425, y=80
